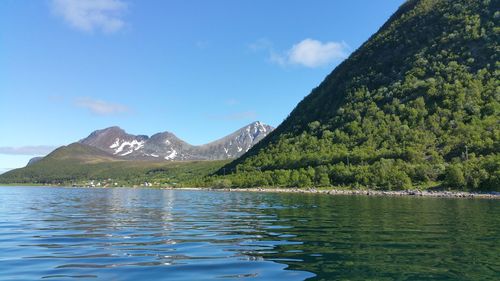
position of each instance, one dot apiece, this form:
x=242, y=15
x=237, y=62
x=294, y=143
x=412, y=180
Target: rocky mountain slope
x=167, y=146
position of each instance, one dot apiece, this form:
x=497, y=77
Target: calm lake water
x=141, y=234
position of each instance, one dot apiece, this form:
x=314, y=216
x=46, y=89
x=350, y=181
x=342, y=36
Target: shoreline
x=333, y=191
x=350, y=192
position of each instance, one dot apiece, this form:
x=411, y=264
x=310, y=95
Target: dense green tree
x=416, y=105
x=454, y=176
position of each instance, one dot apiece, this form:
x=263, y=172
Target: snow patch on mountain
x=171, y=156
x=132, y=145
x=115, y=144
x=127, y=153
x=166, y=145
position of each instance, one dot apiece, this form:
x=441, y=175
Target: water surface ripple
x=141, y=234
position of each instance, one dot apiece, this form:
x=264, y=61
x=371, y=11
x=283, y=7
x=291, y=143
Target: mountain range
x=127, y=159
x=166, y=146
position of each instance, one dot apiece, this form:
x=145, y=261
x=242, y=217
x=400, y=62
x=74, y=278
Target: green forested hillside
x=79, y=164
x=418, y=104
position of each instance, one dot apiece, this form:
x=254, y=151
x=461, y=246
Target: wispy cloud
x=100, y=107
x=308, y=52
x=202, y=44
x=27, y=150
x=90, y=15
x=261, y=44
x=56, y=98
x=232, y=101
x=244, y=115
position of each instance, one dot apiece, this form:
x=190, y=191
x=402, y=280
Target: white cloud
x=101, y=107
x=313, y=53
x=308, y=52
x=27, y=150
x=90, y=15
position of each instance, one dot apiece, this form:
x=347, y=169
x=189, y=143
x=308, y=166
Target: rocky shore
x=411, y=193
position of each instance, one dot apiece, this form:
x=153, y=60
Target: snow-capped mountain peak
x=167, y=146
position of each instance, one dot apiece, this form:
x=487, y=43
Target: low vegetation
x=83, y=165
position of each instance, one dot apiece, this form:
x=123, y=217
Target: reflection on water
x=130, y=234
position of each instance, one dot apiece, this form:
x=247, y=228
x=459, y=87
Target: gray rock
x=167, y=146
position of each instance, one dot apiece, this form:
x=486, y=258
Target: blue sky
x=200, y=69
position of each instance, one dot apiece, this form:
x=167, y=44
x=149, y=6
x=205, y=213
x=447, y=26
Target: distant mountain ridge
x=167, y=146
x=85, y=165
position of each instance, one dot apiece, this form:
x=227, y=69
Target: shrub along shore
x=330, y=191
x=367, y=192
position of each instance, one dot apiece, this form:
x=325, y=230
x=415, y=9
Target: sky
x=198, y=68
